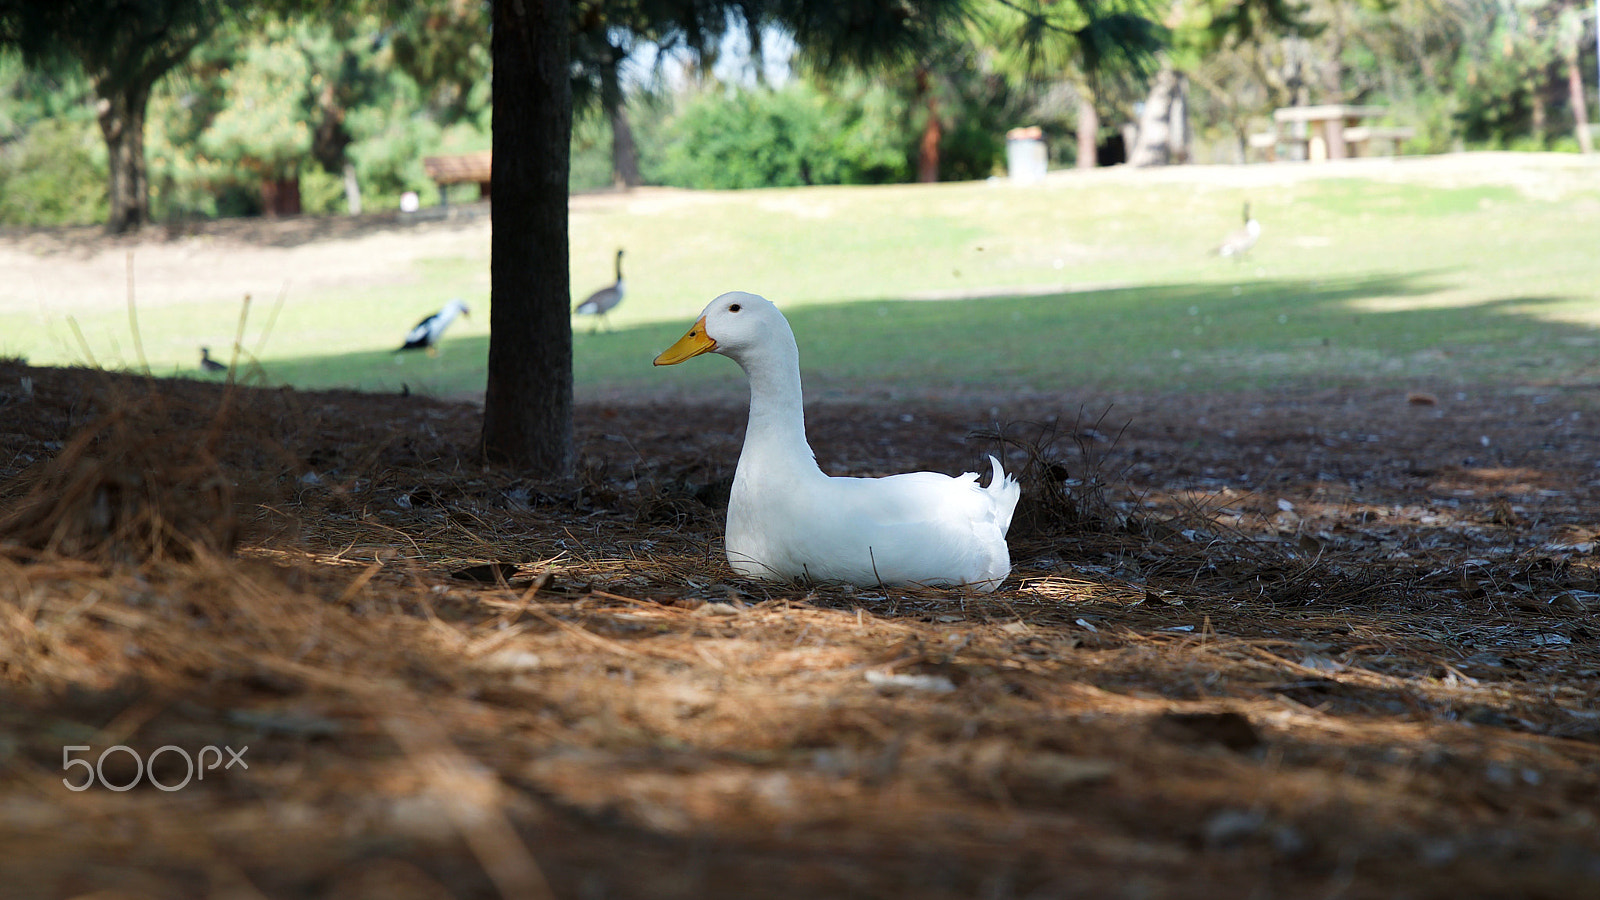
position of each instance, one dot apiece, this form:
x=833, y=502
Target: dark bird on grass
x=1241, y=240
x=427, y=332
x=604, y=300
x=207, y=364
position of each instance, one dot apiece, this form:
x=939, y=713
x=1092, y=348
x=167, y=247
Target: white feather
x=787, y=519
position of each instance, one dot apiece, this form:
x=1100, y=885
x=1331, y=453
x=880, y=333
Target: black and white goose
x=604, y=300
x=1241, y=240
x=427, y=332
x=207, y=364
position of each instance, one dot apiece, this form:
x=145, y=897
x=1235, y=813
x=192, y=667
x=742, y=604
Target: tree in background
x=1094, y=47
x=263, y=126
x=124, y=47
x=604, y=36
x=1518, y=77
x=321, y=106
x=1573, y=39
x=443, y=45
x=52, y=159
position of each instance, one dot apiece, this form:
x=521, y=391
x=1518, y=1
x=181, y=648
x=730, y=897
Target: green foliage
x=1497, y=84
x=852, y=129
x=745, y=139
x=54, y=175
x=299, y=100
x=29, y=95
x=118, y=43
x=860, y=132
x=591, y=151
x=1214, y=24
x=263, y=129
x=390, y=143
x=1086, y=40
x=124, y=48
x=868, y=34
x=52, y=160
x=302, y=90
x=871, y=139
x=443, y=45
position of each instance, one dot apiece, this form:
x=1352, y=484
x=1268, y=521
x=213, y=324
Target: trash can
x=1026, y=159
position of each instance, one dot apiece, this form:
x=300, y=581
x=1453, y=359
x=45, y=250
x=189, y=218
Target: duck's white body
x=787, y=519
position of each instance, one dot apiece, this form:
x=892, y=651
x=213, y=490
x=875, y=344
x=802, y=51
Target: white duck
x=786, y=519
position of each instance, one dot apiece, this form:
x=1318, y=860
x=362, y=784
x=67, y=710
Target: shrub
x=744, y=139
x=55, y=175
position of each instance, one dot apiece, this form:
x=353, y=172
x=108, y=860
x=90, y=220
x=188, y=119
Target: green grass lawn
x=1356, y=279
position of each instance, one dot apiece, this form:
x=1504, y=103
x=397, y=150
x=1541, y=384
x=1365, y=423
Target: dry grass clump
x=1065, y=475
x=128, y=487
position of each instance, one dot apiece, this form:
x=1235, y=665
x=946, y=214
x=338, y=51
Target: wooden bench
x=1361, y=138
x=461, y=168
x=1271, y=145
x=1357, y=140
x=1323, y=127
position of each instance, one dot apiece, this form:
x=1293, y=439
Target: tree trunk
x=1182, y=137
x=1088, y=132
x=527, y=414
x=1580, y=108
x=352, y=189
x=121, y=111
x=280, y=196
x=1538, y=113
x=624, y=155
x=1153, y=146
x=932, y=132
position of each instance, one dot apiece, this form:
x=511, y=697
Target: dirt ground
x=1298, y=644
x=1287, y=646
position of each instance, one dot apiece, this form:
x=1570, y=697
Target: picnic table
x=1330, y=131
x=458, y=169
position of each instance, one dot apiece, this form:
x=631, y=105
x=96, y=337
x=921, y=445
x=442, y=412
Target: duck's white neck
x=777, y=429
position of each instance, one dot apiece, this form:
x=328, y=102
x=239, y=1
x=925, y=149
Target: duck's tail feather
x=1005, y=492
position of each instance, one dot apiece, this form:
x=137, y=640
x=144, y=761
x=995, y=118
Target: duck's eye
x=733, y=308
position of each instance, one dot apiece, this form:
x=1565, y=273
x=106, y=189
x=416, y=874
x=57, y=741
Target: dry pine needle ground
x=1306, y=645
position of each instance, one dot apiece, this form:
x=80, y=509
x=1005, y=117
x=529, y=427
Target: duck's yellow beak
x=689, y=346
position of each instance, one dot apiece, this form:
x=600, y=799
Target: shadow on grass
x=1254, y=334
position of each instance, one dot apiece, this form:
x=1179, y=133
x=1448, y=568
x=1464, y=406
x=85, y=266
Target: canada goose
x=427, y=332
x=207, y=364
x=1241, y=239
x=604, y=300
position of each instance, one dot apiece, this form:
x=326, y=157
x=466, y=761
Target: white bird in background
x=207, y=364
x=1241, y=239
x=788, y=520
x=427, y=332
x=604, y=300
